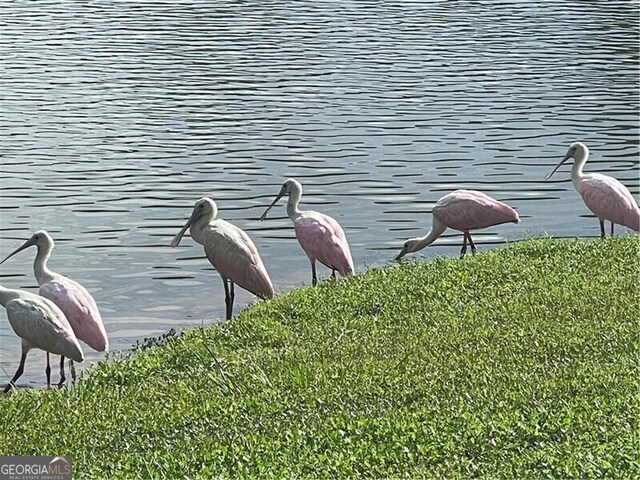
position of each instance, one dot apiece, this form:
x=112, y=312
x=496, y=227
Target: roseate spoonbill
x=40, y=324
x=319, y=235
x=605, y=196
x=462, y=210
x=230, y=251
x=73, y=299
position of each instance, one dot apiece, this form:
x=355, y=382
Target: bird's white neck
x=292, y=203
x=437, y=229
x=580, y=158
x=198, y=226
x=40, y=269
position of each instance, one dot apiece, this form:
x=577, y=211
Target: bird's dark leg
x=227, y=298
x=333, y=273
x=464, y=245
x=314, y=278
x=601, y=228
x=47, y=372
x=62, y=376
x=73, y=371
x=473, y=247
x=612, y=229
x=19, y=372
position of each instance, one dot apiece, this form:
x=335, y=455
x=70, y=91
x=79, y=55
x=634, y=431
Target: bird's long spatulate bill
x=402, y=253
x=556, y=168
x=175, y=241
x=26, y=244
x=278, y=197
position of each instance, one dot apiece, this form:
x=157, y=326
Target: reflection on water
x=116, y=117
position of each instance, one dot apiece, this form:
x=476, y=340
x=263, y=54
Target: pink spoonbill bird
x=605, y=196
x=40, y=324
x=73, y=299
x=230, y=251
x=462, y=210
x=319, y=235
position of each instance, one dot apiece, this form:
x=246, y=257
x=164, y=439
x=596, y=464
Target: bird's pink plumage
x=469, y=210
x=80, y=308
x=323, y=239
x=42, y=324
x=609, y=200
x=234, y=255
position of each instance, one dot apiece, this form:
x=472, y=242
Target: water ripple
x=116, y=117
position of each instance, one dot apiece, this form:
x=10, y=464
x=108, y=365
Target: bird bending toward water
x=319, y=235
x=73, y=299
x=40, y=324
x=230, y=251
x=462, y=210
x=605, y=196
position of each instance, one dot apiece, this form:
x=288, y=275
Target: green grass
x=518, y=363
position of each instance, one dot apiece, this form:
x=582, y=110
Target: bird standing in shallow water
x=230, y=251
x=73, y=299
x=319, y=235
x=40, y=324
x=462, y=210
x=605, y=196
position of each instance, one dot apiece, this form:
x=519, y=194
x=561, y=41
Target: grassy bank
x=521, y=362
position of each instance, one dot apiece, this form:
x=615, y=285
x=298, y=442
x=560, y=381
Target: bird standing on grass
x=319, y=235
x=605, y=196
x=462, y=210
x=77, y=304
x=230, y=251
x=40, y=324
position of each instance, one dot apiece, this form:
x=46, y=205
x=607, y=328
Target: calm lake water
x=115, y=117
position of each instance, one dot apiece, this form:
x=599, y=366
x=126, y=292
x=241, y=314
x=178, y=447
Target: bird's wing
x=610, y=200
x=235, y=256
x=80, y=308
x=323, y=239
x=470, y=209
x=43, y=325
